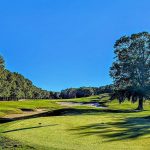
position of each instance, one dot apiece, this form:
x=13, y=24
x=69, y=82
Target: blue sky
x=64, y=43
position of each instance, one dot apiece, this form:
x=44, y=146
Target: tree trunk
x=140, y=104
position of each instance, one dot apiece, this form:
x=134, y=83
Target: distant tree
x=56, y=95
x=2, y=63
x=131, y=69
x=68, y=93
x=85, y=92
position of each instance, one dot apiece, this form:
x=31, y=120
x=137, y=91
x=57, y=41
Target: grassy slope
x=9, y=107
x=94, y=130
x=14, y=107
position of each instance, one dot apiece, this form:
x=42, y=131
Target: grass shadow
x=130, y=128
x=67, y=111
x=29, y=128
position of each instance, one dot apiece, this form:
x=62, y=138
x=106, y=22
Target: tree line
x=130, y=72
x=14, y=86
x=85, y=91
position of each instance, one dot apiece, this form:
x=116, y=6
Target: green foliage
x=131, y=69
x=14, y=86
x=85, y=91
x=2, y=63
x=15, y=107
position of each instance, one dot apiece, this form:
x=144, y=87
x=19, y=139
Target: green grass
x=90, y=130
x=14, y=107
x=102, y=97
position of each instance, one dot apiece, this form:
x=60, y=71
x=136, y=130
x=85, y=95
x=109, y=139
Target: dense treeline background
x=85, y=91
x=14, y=86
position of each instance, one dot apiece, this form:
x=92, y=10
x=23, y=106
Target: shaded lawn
x=129, y=128
x=101, y=130
x=84, y=128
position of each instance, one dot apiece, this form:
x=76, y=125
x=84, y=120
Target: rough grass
x=101, y=98
x=91, y=129
x=14, y=107
x=8, y=144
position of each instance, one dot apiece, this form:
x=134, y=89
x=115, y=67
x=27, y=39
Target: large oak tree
x=131, y=68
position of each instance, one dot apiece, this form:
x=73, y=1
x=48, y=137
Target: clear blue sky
x=67, y=43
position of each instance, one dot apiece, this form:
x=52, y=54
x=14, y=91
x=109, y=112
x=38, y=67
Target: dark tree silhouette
x=131, y=69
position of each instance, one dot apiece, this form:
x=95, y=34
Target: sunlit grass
x=83, y=132
x=13, y=107
x=91, y=129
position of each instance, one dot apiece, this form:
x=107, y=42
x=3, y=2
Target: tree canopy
x=2, y=63
x=131, y=68
x=14, y=86
x=85, y=91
